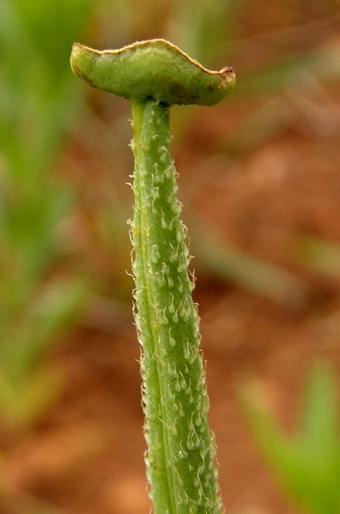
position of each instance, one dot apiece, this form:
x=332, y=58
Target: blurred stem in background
x=305, y=463
x=37, y=302
x=209, y=22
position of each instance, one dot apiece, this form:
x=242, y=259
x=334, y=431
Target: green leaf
x=307, y=463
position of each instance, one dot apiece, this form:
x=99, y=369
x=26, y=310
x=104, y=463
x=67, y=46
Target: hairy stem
x=181, y=448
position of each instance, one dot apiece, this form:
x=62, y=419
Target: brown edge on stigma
x=161, y=42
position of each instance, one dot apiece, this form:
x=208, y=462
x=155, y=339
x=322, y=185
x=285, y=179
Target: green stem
x=181, y=449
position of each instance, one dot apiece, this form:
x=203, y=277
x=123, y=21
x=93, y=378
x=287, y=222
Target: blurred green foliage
x=318, y=254
x=37, y=101
x=307, y=462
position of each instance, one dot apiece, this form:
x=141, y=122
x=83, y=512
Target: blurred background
x=259, y=177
